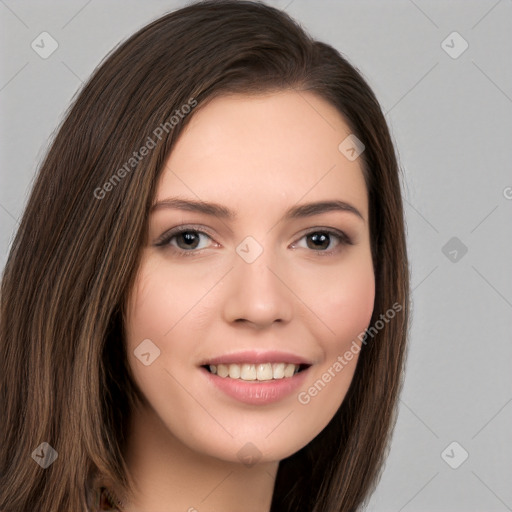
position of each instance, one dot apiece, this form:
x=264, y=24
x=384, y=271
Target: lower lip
x=256, y=392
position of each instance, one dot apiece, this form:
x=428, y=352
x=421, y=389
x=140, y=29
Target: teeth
x=264, y=371
x=222, y=370
x=252, y=372
x=289, y=370
x=234, y=371
x=278, y=370
x=248, y=372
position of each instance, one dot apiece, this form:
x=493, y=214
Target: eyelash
x=164, y=240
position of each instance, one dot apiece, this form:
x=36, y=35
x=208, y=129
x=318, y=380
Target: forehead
x=275, y=147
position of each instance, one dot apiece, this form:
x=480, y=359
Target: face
x=240, y=326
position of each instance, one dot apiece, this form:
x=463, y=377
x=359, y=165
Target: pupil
x=322, y=238
x=188, y=237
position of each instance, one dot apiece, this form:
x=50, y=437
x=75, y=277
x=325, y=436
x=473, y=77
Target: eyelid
x=332, y=231
x=163, y=239
x=343, y=239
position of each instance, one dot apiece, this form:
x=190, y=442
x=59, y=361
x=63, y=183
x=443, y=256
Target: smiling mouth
x=256, y=372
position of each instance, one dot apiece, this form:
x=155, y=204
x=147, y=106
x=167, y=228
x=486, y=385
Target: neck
x=170, y=476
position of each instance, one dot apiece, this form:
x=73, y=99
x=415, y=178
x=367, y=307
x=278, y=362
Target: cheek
x=342, y=300
x=161, y=300
x=153, y=311
x=165, y=307
x=345, y=306
x=350, y=309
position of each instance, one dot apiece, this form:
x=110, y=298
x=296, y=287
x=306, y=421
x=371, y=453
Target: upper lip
x=254, y=357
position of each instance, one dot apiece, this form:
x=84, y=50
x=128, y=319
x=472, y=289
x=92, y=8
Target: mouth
x=259, y=372
x=256, y=377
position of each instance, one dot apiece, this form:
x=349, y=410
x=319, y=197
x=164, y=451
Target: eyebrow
x=217, y=210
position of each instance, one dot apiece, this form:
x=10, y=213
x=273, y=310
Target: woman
x=206, y=304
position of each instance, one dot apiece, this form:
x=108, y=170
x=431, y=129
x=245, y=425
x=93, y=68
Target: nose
x=257, y=293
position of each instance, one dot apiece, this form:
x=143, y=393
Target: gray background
x=451, y=121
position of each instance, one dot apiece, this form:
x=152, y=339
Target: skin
x=277, y=150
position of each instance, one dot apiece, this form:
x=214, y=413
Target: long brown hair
x=64, y=375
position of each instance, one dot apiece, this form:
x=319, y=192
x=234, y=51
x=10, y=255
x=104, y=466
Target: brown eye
x=183, y=240
x=190, y=240
x=321, y=239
